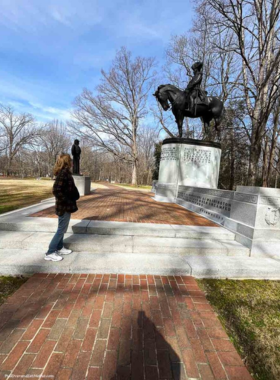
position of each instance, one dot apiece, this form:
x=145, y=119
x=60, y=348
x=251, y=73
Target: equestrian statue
x=193, y=102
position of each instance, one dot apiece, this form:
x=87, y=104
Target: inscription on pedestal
x=189, y=164
x=217, y=218
x=199, y=157
x=214, y=193
x=169, y=154
x=204, y=201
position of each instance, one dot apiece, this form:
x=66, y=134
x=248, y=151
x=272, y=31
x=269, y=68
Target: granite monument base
x=252, y=213
x=83, y=184
x=187, y=162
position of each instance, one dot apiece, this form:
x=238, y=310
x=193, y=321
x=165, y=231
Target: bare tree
x=271, y=143
x=220, y=68
x=146, y=143
x=256, y=29
x=164, y=121
x=111, y=118
x=16, y=131
x=53, y=140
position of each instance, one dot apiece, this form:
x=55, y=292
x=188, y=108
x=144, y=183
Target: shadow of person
x=146, y=355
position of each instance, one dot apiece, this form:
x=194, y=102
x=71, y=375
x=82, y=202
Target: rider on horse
x=193, y=90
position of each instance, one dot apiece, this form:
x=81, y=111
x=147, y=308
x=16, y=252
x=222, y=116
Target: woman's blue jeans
x=57, y=241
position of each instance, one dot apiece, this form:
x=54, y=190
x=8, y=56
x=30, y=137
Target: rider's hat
x=197, y=66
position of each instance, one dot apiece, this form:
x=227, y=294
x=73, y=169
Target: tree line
x=120, y=126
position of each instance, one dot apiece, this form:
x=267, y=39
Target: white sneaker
x=53, y=257
x=64, y=251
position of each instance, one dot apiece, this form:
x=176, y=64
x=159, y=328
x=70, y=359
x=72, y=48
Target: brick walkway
x=118, y=327
x=120, y=205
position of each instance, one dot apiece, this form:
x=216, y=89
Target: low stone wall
x=252, y=213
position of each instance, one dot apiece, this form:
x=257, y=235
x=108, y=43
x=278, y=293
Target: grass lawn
x=8, y=285
x=250, y=312
x=17, y=193
x=133, y=187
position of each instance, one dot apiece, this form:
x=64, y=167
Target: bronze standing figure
x=76, y=153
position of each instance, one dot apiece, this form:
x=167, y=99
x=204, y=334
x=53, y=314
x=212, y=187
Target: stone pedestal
x=83, y=184
x=187, y=162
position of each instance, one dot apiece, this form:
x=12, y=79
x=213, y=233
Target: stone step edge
x=210, y=270
x=110, y=231
x=138, y=250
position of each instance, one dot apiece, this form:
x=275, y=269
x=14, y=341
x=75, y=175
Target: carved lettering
x=205, y=202
x=199, y=157
x=215, y=193
x=169, y=154
x=216, y=217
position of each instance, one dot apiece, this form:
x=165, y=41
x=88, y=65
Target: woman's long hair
x=63, y=161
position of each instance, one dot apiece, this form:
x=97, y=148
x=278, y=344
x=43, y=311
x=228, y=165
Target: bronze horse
x=207, y=111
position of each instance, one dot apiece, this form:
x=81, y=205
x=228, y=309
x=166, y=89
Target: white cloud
x=52, y=49
x=147, y=19
x=51, y=112
x=40, y=112
x=59, y=17
x=33, y=97
x=21, y=15
x=31, y=15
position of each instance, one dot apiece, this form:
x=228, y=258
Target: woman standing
x=66, y=194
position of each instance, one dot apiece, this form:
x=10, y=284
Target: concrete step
x=102, y=244
x=158, y=230
x=154, y=245
x=30, y=224
x=17, y=261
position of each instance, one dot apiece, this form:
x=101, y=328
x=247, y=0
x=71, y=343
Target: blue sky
x=51, y=50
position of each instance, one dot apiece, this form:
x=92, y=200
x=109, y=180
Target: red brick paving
x=109, y=327
x=120, y=205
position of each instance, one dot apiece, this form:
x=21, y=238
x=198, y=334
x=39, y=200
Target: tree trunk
x=274, y=140
x=9, y=165
x=252, y=173
x=255, y=152
x=232, y=163
x=265, y=164
x=231, y=180
x=135, y=155
x=134, y=174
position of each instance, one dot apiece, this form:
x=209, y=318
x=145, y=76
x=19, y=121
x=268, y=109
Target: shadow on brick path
x=148, y=356
x=114, y=327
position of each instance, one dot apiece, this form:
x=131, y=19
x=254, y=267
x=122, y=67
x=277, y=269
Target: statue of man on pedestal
x=193, y=89
x=76, y=153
